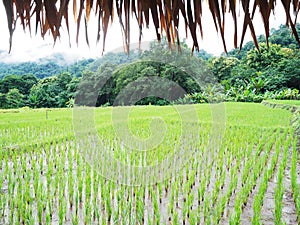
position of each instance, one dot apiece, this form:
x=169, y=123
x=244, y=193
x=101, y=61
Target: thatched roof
x=48, y=15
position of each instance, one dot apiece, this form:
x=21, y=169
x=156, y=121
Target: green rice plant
x=75, y=219
x=108, y=207
x=80, y=188
x=49, y=176
x=41, y=163
x=56, y=182
x=48, y=216
x=97, y=213
x=95, y=185
x=27, y=193
x=2, y=204
x=193, y=218
x=115, y=218
x=88, y=184
x=279, y=190
x=278, y=205
x=206, y=211
x=216, y=190
x=17, y=218
x=120, y=194
x=50, y=208
x=258, y=199
x=171, y=204
x=61, y=210
x=201, y=191
x=176, y=194
x=36, y=182
x=130, y=212
x=29, y=218
x=160, y=192
x=140, y=207
x=77, y=203
x=12, y=211
x=157, y=218
x=6, y=167
x=51, y=150
x=294, y=184
x=19, y=203
x=149, y=220
x=256, y=211
x=125, y=212
x=40, y=211
x=156, y=211
x=220, y=208
x=237, y=211
x=175, y=218
x=87, y=214
x=1, y=181
x=10, y=181
x=71, y=189
x=223, y=177
x=22, y=208
x=247, y=186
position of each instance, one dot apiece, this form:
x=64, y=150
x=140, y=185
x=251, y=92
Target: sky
x=30, y=47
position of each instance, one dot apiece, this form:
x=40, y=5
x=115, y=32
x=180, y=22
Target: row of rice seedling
x=266, y=176
x=279, y=190
x=294, y=182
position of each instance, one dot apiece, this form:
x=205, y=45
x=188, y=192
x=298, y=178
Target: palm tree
x=165, y=14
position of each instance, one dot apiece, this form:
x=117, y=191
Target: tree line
x=245, y=75
x=45, y=67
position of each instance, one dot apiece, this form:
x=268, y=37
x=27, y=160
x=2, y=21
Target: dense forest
x=45, y=67
x=247, y=75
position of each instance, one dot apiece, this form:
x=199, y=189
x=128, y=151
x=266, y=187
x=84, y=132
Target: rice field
x=240, y=169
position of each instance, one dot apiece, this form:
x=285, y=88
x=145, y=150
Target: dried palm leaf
x=165, y=14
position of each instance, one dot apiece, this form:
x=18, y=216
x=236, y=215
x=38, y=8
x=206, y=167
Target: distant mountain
x=45, y=67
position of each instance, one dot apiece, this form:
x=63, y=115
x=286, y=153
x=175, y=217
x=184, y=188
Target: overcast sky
x=26, y=47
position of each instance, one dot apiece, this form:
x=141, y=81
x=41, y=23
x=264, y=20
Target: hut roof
x=48, y=15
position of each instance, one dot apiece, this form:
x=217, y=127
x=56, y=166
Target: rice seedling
x=295, y=185
x=47, y=178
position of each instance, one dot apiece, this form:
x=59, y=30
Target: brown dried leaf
x=79, y=19
x=75, y=9
x=286, y=4
x=86, y=32
x=37, y=11
x=52, y=18
x=10, y=19
x=247, y=22
x=192, y=25
x=215, y=11
x=232, y=6
x=165, y=16
x=198, y=15
x=155, y=18
x=264, y=11
x=107, y=13
x=89, y=4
